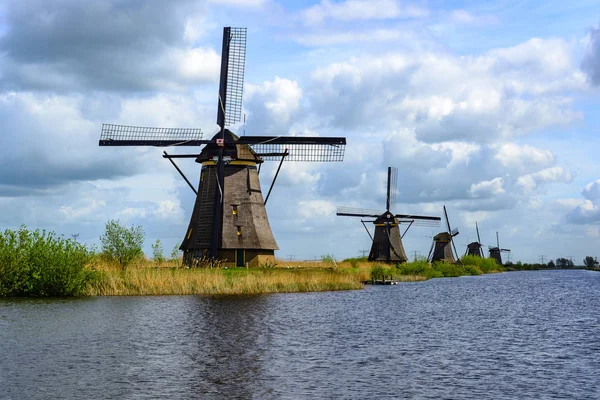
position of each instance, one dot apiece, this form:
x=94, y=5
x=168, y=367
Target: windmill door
x=239, y=258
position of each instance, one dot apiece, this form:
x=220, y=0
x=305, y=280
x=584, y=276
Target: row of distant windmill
x=229, y=221
x=387, y=240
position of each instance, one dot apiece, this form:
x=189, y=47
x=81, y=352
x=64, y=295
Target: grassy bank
x=37, y=263
x=170, y=281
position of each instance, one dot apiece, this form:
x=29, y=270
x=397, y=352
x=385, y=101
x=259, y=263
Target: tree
x=551, y=264
x=121, y=244
x=157, y=252
x=590, y=262
x=564, y=263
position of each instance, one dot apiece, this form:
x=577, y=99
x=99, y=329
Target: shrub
x=448, y=270
x=121, y=244
x=38, y=263
x=157, y=252
x=377, y=272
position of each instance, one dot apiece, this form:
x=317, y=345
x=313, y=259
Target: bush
x=377, y=272
x=37, y=263
x=122, y=245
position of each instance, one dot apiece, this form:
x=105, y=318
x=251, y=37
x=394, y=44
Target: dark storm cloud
x=68, y=45
x=591, y=61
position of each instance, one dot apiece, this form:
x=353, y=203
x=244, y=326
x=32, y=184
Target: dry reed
x=176, y=281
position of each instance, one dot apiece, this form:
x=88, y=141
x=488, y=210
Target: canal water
x=504, y=336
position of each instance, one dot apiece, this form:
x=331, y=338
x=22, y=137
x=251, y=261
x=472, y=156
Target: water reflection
x=517, y=335
x=228, y=337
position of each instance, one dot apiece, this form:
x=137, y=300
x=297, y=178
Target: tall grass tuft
x=40, y=263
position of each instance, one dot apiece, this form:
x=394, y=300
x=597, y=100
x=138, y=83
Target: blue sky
x=486, y=107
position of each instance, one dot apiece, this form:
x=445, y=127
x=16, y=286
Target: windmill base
x=252, y=258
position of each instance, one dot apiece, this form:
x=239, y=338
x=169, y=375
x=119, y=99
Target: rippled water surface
x=505, y=336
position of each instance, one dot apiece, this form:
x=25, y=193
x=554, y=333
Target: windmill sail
x=231, y=85
x=229, y=220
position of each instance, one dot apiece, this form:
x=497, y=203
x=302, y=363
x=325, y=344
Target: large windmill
x=387, y=241
x=496, y=252
x=441, y=248
x=475, y=248
x=229, y=221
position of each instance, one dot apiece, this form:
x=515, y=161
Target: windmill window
x=234, y=210
x=239, y=231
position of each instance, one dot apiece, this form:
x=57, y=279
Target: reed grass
x=236, y=281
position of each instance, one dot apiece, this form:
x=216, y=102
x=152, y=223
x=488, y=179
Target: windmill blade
x=450, y=231
x=299, y=148
x=125, y=135
x=391, y=187
x=505, y=250
x=357, y=212
x=477, y=228
x=423, y=217
x=231, y=83
x=416, y=222
x=447, y=221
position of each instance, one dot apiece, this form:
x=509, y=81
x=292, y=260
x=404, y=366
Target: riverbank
x=220, y=281
x=149, y=279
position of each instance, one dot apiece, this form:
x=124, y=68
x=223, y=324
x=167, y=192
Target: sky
x=489, y=108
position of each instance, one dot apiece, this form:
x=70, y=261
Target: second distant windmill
x=387, y=240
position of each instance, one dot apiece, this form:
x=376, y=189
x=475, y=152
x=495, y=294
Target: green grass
x=422, y=270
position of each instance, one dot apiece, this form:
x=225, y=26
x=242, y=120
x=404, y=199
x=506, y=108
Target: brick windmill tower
x=229, y=221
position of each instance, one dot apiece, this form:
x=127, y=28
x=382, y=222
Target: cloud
x=588, y=210
x=464, y=17
x=67, y=46
x=353, y=10
x=487, y=188
x=591, y=191
x=530, y=182
x=503, y=94
x=274, y=105
x=591, y=61
x=329, y=38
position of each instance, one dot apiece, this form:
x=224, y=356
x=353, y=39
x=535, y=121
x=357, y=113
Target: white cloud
x=530, y=182
x=464, y=17
x=487, y=188
x=352, y=10
x=273, y=105
x=591, y=61
x=591, y=191
x=240, y=3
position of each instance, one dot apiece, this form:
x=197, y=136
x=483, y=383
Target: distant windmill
x=475, y=248
x=387, y=241
x=229, y=221
x=496, y=252
x=441, y=248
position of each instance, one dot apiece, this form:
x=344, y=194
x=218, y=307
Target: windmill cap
x=242, y=152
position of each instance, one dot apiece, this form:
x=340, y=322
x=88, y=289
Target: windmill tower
x=387, y=241
x=229, y=221
x=475, y=248
x=496, y=252
x=441, y=248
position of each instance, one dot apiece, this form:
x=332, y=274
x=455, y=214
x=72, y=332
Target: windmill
x=441, y=248
x=475, y=248
x=229, y=221
x=387, y=241
x=496, y=252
